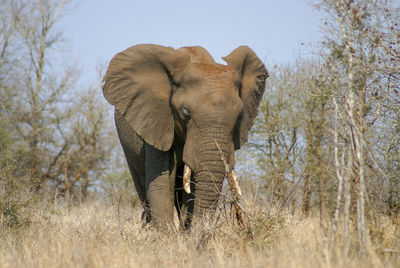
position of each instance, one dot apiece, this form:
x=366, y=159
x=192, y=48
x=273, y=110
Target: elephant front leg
x=159, y=187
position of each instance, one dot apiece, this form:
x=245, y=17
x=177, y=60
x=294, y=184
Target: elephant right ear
x=138, y=82
x=253, y=75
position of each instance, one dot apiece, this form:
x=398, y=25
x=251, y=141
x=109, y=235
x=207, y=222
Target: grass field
x=110, y=234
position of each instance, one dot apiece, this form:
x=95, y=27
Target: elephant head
x=181, y=100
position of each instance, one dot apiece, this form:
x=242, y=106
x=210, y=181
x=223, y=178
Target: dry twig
x=241, y=216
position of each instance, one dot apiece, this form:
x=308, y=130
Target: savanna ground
x=107, y=233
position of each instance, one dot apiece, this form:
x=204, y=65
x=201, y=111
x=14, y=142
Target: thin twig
x=239, y=211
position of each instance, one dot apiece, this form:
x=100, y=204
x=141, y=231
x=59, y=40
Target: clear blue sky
x=98, y=29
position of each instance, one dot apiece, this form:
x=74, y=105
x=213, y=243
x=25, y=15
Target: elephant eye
x=186, y=113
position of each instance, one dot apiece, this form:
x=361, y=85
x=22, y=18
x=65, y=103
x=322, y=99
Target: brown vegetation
x=110, y=234
x=320, y=175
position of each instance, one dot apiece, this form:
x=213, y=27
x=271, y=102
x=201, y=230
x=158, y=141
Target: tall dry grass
x=104, y=234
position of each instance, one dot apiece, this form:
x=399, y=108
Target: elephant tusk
x=236, y=183
x=187, y=172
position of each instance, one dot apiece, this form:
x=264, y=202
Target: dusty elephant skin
x=171, y=106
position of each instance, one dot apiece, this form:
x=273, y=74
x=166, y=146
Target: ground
x=103, y=233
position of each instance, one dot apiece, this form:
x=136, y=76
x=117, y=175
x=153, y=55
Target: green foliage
x=15, y=195
x=5, y=135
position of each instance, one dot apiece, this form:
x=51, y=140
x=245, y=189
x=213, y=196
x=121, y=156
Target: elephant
x=171, y=106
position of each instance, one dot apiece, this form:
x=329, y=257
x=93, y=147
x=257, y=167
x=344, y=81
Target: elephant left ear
x=253, y=75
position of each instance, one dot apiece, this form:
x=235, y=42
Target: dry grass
x=100, y=235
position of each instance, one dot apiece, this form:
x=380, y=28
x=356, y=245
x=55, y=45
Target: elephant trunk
x=209, y=170
x=207, y=190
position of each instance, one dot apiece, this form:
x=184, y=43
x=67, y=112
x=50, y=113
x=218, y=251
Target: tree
x=10, y=14
x=331, y=125
x=362, y=53
x=313, y=96
x=60, y=134
x=88, y=143
x=36, y=90
x=274, y=139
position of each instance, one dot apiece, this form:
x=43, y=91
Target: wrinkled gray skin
x=170, y=107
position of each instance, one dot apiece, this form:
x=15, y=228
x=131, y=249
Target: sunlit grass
x=104, y=234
